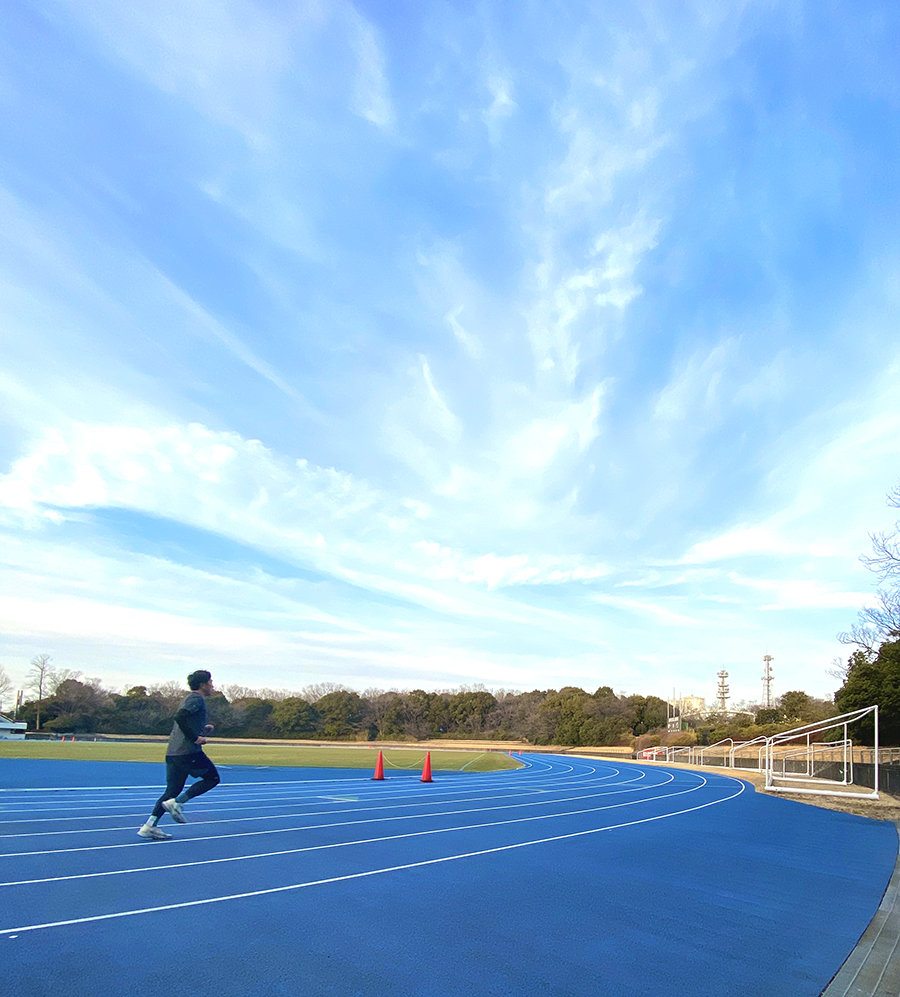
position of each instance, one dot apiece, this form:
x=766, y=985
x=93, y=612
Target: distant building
x=692, y=705
x=10, y=730
x=678, y=710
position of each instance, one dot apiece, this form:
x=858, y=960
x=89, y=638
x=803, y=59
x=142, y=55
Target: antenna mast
x=673, y=714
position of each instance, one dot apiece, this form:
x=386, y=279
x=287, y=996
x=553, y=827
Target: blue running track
x=566, y=877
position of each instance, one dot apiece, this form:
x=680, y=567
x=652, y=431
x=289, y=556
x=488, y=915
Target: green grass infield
x=338, y=756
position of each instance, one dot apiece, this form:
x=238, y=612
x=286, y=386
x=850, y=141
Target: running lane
x=566, y=877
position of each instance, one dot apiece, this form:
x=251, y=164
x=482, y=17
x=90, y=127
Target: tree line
x=571, y=716
x=73, y=704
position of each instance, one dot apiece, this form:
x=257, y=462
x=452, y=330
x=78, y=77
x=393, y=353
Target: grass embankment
x=337, y=756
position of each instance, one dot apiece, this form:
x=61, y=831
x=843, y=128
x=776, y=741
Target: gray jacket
x=190, y=720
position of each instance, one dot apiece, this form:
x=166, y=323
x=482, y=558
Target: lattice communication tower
x=722, y=693
x=767, y=681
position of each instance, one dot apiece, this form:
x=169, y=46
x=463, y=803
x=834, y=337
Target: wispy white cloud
x=315, y=517
x=470, y=343
x=567, y=300
x=107, y=291
x=441, y=417
x=647, y=609
x=371, y=91
x=502, y=105
x=800, y=593
x=223, y=60
x=571, y=427
x=695, y=395
x=749, y=540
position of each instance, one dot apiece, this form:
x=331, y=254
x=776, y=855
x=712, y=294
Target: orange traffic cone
x=379, y=767
x=426, y=772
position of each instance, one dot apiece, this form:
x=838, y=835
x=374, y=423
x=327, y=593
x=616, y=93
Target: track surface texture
x=567, y=877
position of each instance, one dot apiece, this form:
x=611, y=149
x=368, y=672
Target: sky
x=405, y=344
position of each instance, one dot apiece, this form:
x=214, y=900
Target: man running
x=185, y=757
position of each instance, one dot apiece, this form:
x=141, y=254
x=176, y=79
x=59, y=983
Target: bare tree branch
x=880, y=623
x=876, y=624
x=885, y=559
x=313, y=693
x=5, y=686
x=56, y=677
x=40, y=672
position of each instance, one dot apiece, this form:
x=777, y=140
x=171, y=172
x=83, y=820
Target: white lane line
x=230, y=803
x=449, y=773
x=226, y=793
x=340, y=844
x=610, y=789
x=360, y=875
x=450, y=780
x=373, y=820
x=204, y=812
x=156, y=785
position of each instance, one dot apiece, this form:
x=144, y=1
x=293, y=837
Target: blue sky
x=406, y=344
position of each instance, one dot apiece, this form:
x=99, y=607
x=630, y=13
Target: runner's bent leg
x=176, y=776
x=209, y=779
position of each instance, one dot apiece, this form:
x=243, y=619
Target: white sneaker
x=151, y=831
x=173, y=807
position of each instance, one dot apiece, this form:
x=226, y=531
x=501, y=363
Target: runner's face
x=206, y=689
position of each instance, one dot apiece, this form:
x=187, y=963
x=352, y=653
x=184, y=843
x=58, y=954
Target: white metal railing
x=807, y=755
x=759, y=743
x=796, y=768
x=777, y=751
x=709, y=747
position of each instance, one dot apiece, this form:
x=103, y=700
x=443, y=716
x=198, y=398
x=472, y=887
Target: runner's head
x=198, y=679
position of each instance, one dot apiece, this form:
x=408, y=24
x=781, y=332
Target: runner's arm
x=187, y=721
